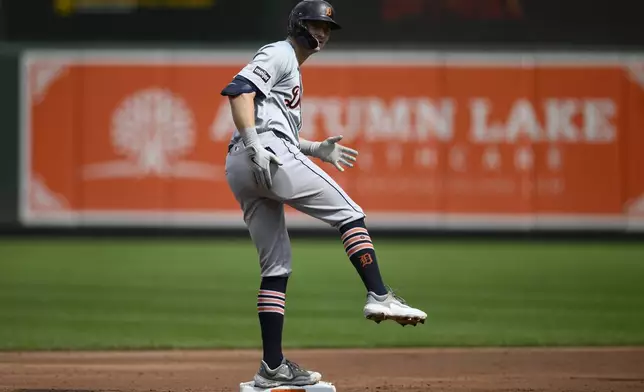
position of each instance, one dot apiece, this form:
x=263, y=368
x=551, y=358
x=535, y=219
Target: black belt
x=278, y=134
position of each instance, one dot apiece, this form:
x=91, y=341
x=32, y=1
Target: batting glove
x=260, y=159
x=330, y=151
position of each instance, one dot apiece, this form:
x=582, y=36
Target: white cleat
x=391, y=307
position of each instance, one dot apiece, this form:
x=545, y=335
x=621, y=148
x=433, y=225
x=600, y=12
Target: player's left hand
x=336, y=154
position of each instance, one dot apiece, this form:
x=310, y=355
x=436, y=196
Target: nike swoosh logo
x=286, y=376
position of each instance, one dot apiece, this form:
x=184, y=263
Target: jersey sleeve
x=266, y=68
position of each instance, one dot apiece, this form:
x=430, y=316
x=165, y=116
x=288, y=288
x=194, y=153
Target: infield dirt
x=435, y=370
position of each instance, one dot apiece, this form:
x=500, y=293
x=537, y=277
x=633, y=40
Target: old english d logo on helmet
x=329, y=12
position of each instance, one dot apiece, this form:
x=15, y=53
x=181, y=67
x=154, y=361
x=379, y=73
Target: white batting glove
x=331, y=152
x=260, y=159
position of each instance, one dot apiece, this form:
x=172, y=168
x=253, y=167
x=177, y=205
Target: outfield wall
x=448, y=140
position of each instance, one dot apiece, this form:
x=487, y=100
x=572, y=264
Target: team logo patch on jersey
x=259, y=71
x=295, y=101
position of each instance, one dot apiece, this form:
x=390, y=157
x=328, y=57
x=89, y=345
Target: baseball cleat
x=391, y=307
x=287, y=373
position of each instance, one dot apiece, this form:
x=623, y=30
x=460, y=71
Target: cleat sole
x=378, y=318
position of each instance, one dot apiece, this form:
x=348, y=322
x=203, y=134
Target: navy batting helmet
x=319, y=10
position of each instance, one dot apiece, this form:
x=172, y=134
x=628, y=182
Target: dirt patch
x=435, y=370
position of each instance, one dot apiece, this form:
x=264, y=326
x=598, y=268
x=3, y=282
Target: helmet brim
x=332, y=23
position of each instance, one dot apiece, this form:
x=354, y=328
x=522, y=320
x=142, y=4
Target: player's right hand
x=260, y=160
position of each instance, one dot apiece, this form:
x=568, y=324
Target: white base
x=319, y=387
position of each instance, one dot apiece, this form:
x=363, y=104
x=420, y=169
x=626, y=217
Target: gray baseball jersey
x=274, y=70
x=299, y=182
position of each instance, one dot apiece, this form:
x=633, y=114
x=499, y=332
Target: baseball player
x=268, y=166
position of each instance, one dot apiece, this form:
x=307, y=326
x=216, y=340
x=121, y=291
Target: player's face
x=320, y=30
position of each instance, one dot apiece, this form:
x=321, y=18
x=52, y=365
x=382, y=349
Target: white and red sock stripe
x=352, y=232
x=355, y=240
x=270, y=301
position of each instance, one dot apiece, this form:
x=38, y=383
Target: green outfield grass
x=81, y=294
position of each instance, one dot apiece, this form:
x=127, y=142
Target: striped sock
x=271, y=302
x=359, y=248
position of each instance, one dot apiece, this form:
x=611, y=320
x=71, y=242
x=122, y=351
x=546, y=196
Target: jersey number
x=295, y=101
